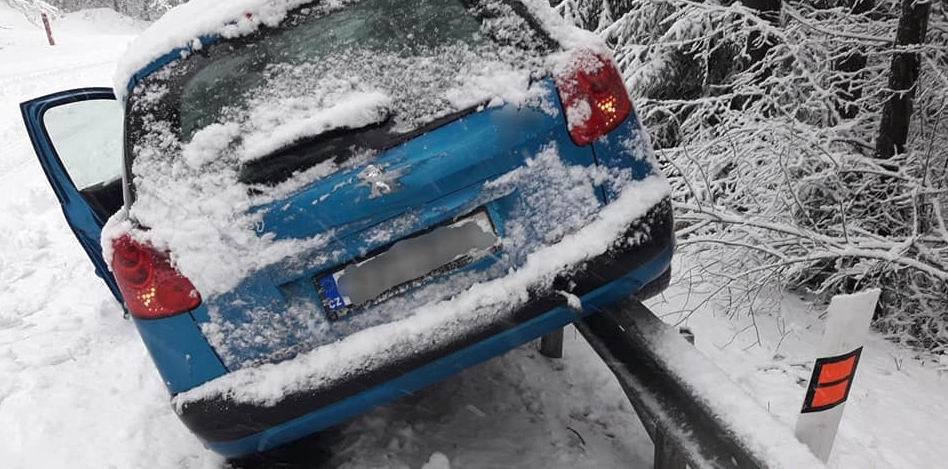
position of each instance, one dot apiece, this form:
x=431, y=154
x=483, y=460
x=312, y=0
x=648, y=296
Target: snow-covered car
x=311, y=208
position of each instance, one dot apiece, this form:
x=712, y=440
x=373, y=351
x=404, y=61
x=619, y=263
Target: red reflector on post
x=830, y=395
x=594, y=97
x=831, y=381
x=151, y=286
x=832, y=372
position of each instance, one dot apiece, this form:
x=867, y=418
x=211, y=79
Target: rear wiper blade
x=338, y=144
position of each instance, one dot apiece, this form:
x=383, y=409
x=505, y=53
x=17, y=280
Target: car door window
x=87, y=136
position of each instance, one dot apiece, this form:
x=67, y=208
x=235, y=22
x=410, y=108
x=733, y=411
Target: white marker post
x=847, y=327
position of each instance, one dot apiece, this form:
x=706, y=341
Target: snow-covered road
x=78, y=390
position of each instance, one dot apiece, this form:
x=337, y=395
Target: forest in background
x=807, y=142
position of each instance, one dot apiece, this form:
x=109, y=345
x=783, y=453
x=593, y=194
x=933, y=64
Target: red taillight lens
x=151, y=286
x=594, y=97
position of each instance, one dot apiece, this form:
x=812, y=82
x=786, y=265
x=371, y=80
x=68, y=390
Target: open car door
x=78, y=137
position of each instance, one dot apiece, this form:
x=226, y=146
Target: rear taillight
x=594, y=97
x=151, y=286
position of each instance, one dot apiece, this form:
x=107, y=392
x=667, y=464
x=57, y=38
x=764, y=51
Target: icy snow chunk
x=289, y=120
x=578, y=114
x=574, y=302
x=437, y=461
x=497, y=84
x=207, y=143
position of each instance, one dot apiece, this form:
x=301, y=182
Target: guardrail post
x=551, y=345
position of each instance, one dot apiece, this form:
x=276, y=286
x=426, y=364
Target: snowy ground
x=77, y=388
x=897, y=412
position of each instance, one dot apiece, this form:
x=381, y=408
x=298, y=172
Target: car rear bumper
x=235, y=429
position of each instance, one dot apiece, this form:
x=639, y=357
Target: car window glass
x=87, y=136
x=412, y=49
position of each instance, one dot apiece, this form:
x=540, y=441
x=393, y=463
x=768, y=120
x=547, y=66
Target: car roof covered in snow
x=196, y=23
x=191, y=25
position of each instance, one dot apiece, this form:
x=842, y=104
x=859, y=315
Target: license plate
x=405, y=264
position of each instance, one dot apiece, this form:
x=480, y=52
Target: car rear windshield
x=333, y=83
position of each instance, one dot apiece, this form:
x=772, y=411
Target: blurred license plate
x=406, y=263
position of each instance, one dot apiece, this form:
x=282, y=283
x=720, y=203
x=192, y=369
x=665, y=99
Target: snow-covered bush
x=768, y=122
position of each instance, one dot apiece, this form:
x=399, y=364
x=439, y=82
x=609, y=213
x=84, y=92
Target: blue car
x=309, y=209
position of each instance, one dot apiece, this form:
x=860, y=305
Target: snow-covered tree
x=32, y=9
x=769, y=123
x=582, y=13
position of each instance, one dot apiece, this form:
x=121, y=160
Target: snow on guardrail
x=684, y=398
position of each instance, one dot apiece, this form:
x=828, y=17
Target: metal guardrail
x=695, y=414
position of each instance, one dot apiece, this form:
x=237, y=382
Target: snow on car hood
x=480, y=305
